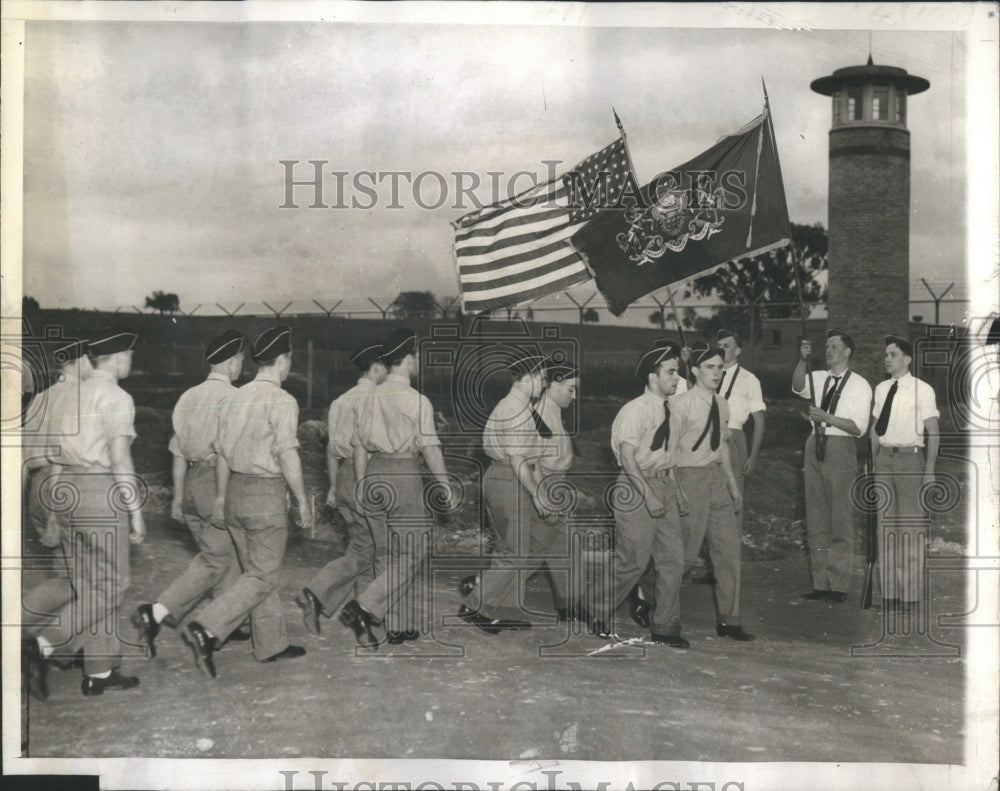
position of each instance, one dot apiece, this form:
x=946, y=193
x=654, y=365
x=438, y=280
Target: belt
x=395, y=455
x=201, y=463
x=900, y=449
x=655, y=473
x=76, y=468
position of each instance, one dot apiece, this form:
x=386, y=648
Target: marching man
x=196, y=425
x=699, y=425
x=647, y=521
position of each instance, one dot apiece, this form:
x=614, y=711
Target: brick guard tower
x=869, y=207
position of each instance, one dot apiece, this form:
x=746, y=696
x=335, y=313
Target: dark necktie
x=572, y=440
x=540, y=425
x=828, y=396
x=883, y=419
x=715, y=424
x=662, y=435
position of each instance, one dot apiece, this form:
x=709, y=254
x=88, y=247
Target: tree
x=165, y=303
x=591, y=316
x=767, y=283
x=657, y=318
x=28, y=303
x=414, y=305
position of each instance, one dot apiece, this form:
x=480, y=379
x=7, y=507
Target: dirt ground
x=822, y=682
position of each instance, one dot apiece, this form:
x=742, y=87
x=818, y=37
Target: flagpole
x=680, y=331
x=624, y=137
x=677, y=318
x=795, y=254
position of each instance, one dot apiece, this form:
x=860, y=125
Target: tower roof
x=856, y=75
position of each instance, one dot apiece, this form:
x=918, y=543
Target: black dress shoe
x=673, y=640
x=638, y=608
x=479, y=621
x=735, y=632
x=468, y=584
x=202, y=645
x=311, y=608
x=890, y=604
x=816, y=595
x=837, y=597
x=147, y=626
x=95, y=686
x=411, y=634
x=907, y=607
x=241, y=635
x=35, y=668
x=290, y=652
x=511, y=624
x=359, y=621
x=599, y=628
x=395, y=638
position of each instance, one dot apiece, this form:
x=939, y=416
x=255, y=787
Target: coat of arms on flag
x=726, y=204
x=672, y=220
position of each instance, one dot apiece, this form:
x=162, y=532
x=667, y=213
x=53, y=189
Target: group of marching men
x=680, y=445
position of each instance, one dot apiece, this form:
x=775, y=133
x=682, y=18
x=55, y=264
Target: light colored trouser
x=344, y=577
x=641, y=541
x=401, y=533
x=737, y=444
x=528, y=542
x=711, y=515
x=903, y=526
x=47, y=524
x=216, y=566
x=80, y=609
x=257, y=520
x=830, y=512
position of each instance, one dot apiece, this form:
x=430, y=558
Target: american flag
x=518, y=250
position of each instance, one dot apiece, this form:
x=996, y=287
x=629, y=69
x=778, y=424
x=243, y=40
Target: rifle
x=871, y=530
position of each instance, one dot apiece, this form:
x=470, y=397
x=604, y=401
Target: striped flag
x=518, y=250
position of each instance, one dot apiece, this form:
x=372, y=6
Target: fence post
x=309, y=374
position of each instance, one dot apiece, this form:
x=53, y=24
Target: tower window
x=854, y=103
x=900, y=107
x=880, y=103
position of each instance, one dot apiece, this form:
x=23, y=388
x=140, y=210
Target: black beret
x=227, y=345
x=904, y=345
x=401, y=342
x=725, y=334
x=68, y=352
x=527, y=364
x=111, y=340
x=648, y=362
x=848, y=340
x=559, y=373
x=701, y=351
x=663, y=343
x=272, y=343
x=365, y=355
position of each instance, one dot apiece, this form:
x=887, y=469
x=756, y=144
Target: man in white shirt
x=904, y=409
x=831, y=462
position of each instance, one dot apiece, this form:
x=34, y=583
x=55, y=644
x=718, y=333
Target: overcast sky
x=152, y=149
